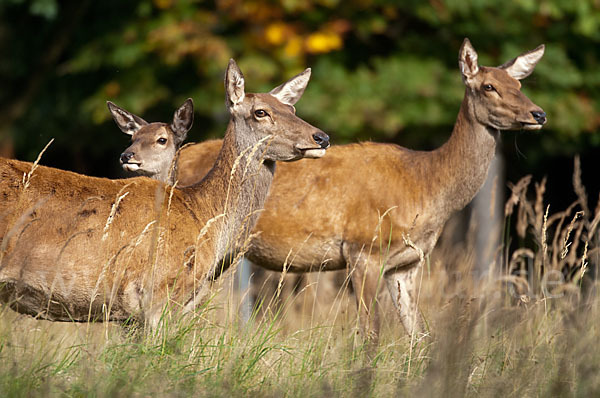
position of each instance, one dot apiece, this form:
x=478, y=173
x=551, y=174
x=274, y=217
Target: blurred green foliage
x=382, y=70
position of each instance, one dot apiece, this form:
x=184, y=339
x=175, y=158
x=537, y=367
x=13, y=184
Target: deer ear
x=522, y=66
x=183, y=119
x=234, y=84
x=127, y=122
x=290, y=92
x=467, y=60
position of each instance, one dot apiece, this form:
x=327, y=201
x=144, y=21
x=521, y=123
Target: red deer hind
x=81, y=248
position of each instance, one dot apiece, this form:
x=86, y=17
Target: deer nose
x=539, y=116
x=126, y=156
x=321, y=139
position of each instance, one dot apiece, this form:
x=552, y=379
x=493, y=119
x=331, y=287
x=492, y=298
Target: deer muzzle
x=322, y=140
x=128, y=163
x=539, y=116
x=535, y=120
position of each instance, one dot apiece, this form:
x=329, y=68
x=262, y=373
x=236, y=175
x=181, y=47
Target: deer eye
x=488, y=87
x=260, y=113
x=162, y=141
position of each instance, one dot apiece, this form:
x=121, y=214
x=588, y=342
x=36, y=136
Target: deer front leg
x=365, y=282
x=404, y=287
x=365, y=276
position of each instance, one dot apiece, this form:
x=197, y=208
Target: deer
x=385, y=205
x=154, y=153
x=158, y=143
x=80, y=248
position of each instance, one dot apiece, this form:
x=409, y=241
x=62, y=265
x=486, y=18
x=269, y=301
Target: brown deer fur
x=74, y=247
x=378, y=209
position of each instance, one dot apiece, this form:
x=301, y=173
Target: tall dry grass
x=521, y=331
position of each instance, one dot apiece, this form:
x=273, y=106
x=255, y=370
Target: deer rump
x=84, y=262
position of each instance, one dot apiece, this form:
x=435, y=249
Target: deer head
x=495, y=93
x=154, y=145
x=273, y=113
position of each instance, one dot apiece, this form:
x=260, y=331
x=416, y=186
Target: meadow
x=528, y=327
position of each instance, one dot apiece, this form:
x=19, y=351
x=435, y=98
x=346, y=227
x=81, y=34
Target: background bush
x=382, y=70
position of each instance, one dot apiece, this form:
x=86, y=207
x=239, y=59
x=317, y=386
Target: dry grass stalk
x=171, y=191
x=584, y=262
x=540, y=189
x=255, y=148
x=545, y=235
x=566, y=242
x=27, y=177
x=283, y=274
x=113, y=211
x=578, y=185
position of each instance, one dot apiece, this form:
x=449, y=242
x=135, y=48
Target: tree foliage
x=382, y=69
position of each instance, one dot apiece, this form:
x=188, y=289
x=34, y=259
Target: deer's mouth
x=531, y=126
x=132, y=166
x=312, y=152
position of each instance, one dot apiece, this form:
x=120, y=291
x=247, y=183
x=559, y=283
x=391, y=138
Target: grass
x=480, y=346
x=523, y=334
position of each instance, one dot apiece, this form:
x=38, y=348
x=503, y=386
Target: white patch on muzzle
x=314, y=153
x=131, y=166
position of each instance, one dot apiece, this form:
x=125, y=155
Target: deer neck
x=237, y=186
x=462, y=163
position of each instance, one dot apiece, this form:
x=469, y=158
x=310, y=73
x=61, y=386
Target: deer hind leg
x=404, y=287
